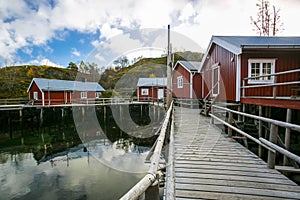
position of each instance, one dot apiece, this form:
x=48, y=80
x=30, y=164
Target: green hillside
x=14, y=80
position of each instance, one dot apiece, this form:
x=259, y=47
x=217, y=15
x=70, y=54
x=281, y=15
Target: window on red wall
x=260, y=69
x=145, y=91
x=179, y=82
x=83, y=95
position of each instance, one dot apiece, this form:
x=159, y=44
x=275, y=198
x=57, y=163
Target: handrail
x=151, y=177
x=268, y=120
x=271, y=84
x=281, y=150
x=274, y=74
x=271, y=144
x=210, y=91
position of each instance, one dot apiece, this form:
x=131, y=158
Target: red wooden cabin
x=151, y=89
x=253, y=70
x=52, y=92
x=186, y=79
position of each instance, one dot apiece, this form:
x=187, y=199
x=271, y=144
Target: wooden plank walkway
x=209, y=165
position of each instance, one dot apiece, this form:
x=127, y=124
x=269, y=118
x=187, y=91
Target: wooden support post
x=230, y=120
x=152, y=193
x=287, y=137
x=239, y=116
x=21, y=121
x=275, y=88
x=260, y=130
x=104, y=113
x=243, y=90
x=41, y=117
x=273, y=139
x=212, y=120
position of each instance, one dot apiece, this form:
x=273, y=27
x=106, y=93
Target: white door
x=160, y=94
x=215, y=81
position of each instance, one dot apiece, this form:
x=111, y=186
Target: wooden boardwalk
x=209, y=165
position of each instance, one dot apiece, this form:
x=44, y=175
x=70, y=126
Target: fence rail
x=152, y=176
x=271, y=144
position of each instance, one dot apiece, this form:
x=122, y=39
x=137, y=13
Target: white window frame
x=35, y=95
x=179, y=82
x=97, y=95
x=83, y=95
x=144, y=91
x=261, y=79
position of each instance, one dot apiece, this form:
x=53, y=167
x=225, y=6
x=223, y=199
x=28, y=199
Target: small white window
x=145, y=91
x=35, y=95
x=179, y=82
x=98, y=94
x=261, y=67
x=83, y=95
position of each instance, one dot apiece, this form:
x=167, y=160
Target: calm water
x=51, y=162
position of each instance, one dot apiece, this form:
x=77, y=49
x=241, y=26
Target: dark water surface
x=52, y=162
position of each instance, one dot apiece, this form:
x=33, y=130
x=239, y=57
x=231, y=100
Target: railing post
x=273, y=139
x=274, y=88
x=152, y=193
x=212, y=120
x=243, y=90
x=260, y=131
x=287, y=134
x=230, y=120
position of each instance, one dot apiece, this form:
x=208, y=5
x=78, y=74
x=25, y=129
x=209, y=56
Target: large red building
x=186, y=79
x=52, y=92
x=252, y=70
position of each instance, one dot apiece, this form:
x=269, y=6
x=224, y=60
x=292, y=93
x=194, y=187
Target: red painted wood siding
x=197, y=86
x=59, y=97
x=227, y=61
x=152, y=93
x=285, y=60
x=183, y=92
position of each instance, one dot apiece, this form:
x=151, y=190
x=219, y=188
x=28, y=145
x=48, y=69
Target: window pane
x=266, y=70
x=255, y=70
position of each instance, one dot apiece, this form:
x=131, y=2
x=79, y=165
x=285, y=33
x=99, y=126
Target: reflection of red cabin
x=231, y=61
x=151, y=89
x=186, y=80
x=49, y=91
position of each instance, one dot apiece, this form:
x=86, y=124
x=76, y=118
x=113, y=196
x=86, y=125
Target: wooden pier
x=211, y=165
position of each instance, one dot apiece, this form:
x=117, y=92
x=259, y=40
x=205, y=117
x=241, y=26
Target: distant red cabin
x=152, y=89
x=52, y=92
x=186, y=80
x=253, y=70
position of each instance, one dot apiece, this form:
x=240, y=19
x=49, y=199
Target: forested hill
x=14, y=80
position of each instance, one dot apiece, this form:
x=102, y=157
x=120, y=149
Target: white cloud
x=75, y=52
x=21, y=26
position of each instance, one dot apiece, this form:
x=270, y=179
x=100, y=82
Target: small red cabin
x=253, y=70
x=186, y=79
x=152, y=89
x=52, y=92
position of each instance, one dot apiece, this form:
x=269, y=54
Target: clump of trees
x=268, y=20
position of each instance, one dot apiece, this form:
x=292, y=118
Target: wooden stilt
x=287, y=134
x=260, y=130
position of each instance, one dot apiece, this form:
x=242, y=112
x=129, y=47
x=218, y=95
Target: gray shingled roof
x=189, y=65
x=152, y=82
x=236, y=44
x=64, y=85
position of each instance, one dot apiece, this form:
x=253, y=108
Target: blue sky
x=56, y=32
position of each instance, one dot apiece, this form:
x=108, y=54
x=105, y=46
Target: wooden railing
x=148, y=185
x=270, y=144
x=187, y=102
x=273, y=85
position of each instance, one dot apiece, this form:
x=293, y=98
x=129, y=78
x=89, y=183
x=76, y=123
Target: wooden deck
x=209, y=165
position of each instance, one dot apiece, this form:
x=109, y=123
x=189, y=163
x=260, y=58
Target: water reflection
x=51, y=162
x=76, y=176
